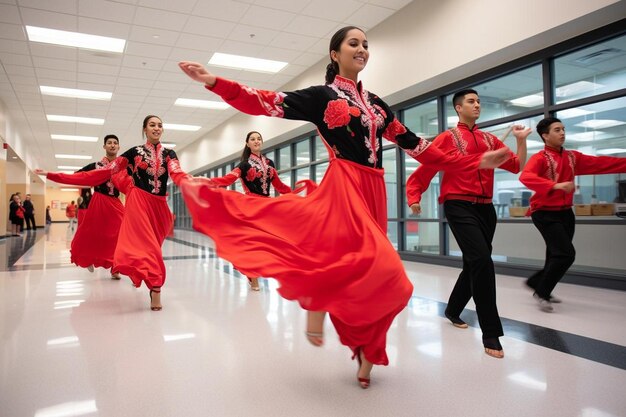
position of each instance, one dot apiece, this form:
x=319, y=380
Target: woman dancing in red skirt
x=333, y=255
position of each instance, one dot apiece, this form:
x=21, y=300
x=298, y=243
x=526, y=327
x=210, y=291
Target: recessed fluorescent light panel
x=528, y=101
x=611, y=151
x=75, y=138
x=201, y=104
x=74, y=119
x=246, y=63
x=74, y=93
x=66, y=156
x=600, y=123
x=174, y=126
x=75, y=39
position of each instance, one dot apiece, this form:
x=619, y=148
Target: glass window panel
x=392, y=233
x=320, y=171
x=423, y=119
x=508, y=191
x=594, y=70
x=320, y=149
x=285, y=177
x=303, y=153
x=271, y=155
x=303, y=174
x=238, y=186
x=391, y=181
x=429, y=203
x=597, y=129
x=505, y=96
x=422, y=237
x=285, y=157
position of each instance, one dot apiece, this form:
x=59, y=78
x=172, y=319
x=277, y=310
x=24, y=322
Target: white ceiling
x=145, y=78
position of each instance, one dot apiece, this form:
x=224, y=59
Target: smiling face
x=153, y=129
x=111, y=147
x=352, y=55
x=255, y=142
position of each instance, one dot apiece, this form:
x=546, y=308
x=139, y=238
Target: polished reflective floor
x=75, y=343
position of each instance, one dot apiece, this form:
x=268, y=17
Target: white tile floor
x=79, y=344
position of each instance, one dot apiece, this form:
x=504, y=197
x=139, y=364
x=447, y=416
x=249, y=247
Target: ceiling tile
x=183, y=6
x=370, y=15
x=160, y=19
x=99, y=69
x=50, y=20
x=155, y=36
x=56, y=74
x=15, y=59
x=337, y=11
x=310, y=26
x=11, y=31
x=251, y=34
x=53, y=51
x=9, y=14
x=201, y=43
x=231, y=11
x=103, y=28
x=56, y=64
x=61, y=6
x=109, y=10
x=152, y=64
x=208, y=27
x=20, y=70
x=294, y=41
x=147, y=49
x=392, y=4
x=267, y=18
x=14, y=47
x=294, y=6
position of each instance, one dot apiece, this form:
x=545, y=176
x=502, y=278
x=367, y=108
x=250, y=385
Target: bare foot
x=155, y=300
x=499, y=354
x=365, y=369
x=315, y=327
x=254, y=284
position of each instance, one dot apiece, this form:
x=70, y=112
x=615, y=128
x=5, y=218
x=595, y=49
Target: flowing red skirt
x=328, y=250
x=98, y=227
x=147, y=221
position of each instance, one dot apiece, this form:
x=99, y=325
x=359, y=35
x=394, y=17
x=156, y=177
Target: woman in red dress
x=147, y=219
x=256, y=173
x=102, y=218
x=333, y=255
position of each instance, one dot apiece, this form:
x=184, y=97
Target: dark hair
x=458, y=97
x=107, y=137
x=246, y=149
x=544, y=126
x=145, y=122
x=332, y=69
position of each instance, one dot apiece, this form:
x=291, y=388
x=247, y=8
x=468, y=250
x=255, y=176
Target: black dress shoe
x=456, y=321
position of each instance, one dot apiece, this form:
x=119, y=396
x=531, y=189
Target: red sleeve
x=122, y=181
x=227, y=179
x=90, y=178
x=589, y=165
x=512, y=164
x=173, y=168
x=532, y=177
x=418, y=183
x=280, y=186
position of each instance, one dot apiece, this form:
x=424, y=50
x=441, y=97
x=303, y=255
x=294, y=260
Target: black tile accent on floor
x=583, y=347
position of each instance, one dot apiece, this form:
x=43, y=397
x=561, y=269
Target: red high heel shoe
x=363, y=382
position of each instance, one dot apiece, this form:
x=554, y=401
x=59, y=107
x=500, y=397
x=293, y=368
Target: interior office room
x=78, y=343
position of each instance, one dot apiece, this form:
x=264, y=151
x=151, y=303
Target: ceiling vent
x=599, y=56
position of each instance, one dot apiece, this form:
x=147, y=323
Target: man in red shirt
x=470, y=213
x=550, y=174
x=70, y=213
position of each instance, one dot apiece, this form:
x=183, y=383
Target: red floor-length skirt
x=328, y=250
x=147, y=221
x=98, y=227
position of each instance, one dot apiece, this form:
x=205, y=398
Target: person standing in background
x=29, y=213
x=70, y=213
